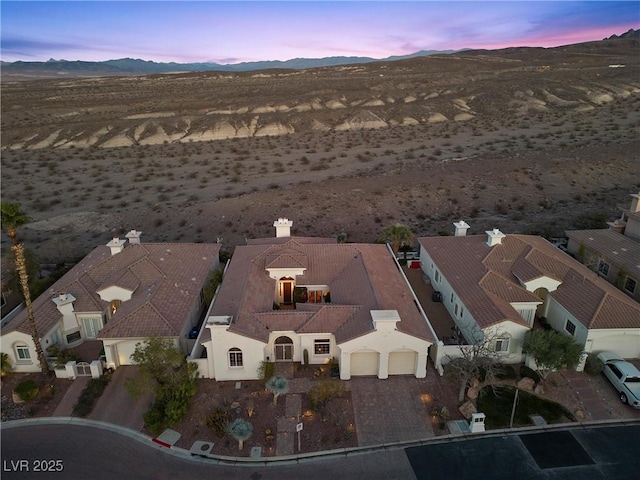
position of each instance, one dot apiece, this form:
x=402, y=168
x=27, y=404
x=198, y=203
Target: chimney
x=64, y=302
x=635, y=203
x=461, y=228
x=495, y=237
x=134, y=237
x=617, y=225
x=116, y=245
x=283, y=227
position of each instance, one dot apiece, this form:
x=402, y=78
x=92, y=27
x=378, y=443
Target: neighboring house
x=497, y=284
x=286, y=295
x=613, y=253
x=121, y=294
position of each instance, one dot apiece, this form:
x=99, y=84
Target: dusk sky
x=241, y=31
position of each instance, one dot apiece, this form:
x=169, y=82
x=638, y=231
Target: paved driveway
x=390, y=410
x=116, y=406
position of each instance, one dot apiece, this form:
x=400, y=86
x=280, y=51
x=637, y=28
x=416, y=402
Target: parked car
x=624, y=376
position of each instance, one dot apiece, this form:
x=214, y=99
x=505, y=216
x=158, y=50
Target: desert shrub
x=5, y=364
x=506, y=372
x=323, y=391
x=266, y=370
x=594, y=365
x=62, y=356
x=529, y=373
x=27, y=390
x=90, y=395
x=217, y=421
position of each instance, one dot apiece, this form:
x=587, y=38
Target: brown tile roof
x=615, y=247
x=166, y=279
x=360, y=278
x=487, y=279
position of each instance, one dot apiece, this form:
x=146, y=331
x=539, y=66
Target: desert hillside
x=524, y=139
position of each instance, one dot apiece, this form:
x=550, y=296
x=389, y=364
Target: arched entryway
x=541, y=293
x=283, y=349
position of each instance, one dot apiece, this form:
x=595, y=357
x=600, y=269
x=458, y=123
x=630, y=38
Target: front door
x=284, y=349
x=287, y=297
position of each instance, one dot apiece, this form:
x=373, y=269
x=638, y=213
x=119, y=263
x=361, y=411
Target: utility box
x=476, y=425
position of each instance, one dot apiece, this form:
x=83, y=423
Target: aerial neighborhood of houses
x=286, y=295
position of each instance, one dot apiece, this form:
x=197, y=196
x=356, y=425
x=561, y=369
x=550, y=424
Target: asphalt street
x=66, y=451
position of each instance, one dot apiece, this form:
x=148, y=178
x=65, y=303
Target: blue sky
x=240, y=31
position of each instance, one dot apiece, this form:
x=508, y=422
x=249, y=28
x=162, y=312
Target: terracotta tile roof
x=282, y=240
x=360, y=278
x=167, y=279
x=486, y=280
x=615, y=247
x=286, y=260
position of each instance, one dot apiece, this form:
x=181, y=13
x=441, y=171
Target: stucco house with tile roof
x=613, y=253
x=498, y=284
x=283, y=296
x=120, y=293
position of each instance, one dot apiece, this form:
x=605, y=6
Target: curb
x=310, y=456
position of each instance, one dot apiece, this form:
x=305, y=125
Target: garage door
x=627, y=346
x=364, y=363
x=125, y=349
x=402, y=362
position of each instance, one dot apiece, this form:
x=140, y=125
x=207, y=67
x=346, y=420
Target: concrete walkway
x=65, y=407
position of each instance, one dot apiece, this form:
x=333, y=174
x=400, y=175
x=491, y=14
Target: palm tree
x=397, y=235
x=277, y=385
x=241, y=430
x=12, y=218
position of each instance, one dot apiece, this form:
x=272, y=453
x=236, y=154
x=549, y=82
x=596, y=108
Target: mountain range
x=135, y=66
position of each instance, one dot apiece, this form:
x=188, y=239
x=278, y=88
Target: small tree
x=478, y=359
x=551, y=350
x=165, y=372
x=277, y=385
x=13, y=217
x=241, y=430
x=397, y=235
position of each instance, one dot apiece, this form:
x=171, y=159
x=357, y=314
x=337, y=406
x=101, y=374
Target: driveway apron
x=116, y=406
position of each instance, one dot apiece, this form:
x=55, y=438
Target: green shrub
x=529, y=373
x=27, y=390
x=323, y=391
x=266, y=370
x=506, y=372
x=217, y=421
x=5, y=364
x=594, y=365
x=90, y=395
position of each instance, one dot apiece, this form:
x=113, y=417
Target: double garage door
x=400, y=363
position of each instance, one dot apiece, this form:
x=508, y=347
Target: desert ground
x=526, y=140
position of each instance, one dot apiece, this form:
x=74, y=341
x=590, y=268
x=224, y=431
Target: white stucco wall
x=557, y=317
x=253, y=352
x=8, y=343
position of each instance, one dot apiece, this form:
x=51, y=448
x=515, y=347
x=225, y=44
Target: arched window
x=235, y=357
x=22, y=352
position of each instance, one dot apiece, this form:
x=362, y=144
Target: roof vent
x=494, y=237
x=116, y=245
x=461, y=228
x=283, y=227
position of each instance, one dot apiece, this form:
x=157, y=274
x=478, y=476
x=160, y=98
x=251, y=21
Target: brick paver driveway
x=390, y=410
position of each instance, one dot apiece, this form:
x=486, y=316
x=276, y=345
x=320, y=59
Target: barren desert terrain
x=525, y=139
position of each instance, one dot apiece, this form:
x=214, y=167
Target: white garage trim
x=403, y=362
x=364, y=363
